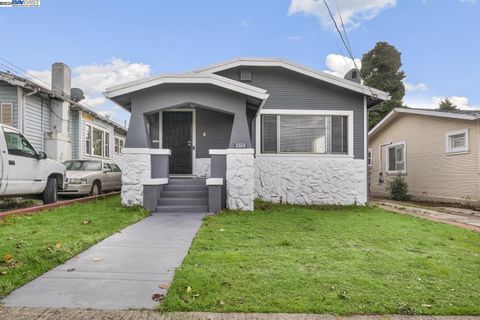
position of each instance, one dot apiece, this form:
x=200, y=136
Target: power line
x=344, y=38
x=31, y=77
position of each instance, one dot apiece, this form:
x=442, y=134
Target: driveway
x=123, y=271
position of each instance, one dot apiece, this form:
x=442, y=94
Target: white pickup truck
x=24, y=171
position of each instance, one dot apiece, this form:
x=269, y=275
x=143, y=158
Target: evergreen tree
x=381, y=70
x=446, y=105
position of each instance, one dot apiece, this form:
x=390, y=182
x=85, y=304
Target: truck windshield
x=84, y=165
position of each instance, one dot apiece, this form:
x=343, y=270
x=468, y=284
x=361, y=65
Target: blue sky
x=111, y=41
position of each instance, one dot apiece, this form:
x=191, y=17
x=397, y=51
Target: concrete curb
x=81, y=314
x=45, y=207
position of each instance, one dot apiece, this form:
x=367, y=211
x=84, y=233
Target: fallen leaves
x=97, y=259
x=163, y=286
x=157, y=297
x=7, y=258
x=58, y=245
x=86, y=221
x=70, y=269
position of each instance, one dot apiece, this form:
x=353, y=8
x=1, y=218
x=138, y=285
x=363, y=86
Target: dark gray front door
x=177, y=136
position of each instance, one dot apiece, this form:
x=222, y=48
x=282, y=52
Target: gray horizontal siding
x=37, y=121
x=217, y=127
x=8, y=93
x=291, y=90
x=74, y=132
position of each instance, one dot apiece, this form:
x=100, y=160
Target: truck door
x=25, y=173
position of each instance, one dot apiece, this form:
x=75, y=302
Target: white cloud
x=94, y=78
x=339, y=65
x=293, y=38
x=461, y=102
x=353, y=12
x=415, y=87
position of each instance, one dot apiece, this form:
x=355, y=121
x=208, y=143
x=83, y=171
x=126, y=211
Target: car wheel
x=95, y=189
x=50, y=193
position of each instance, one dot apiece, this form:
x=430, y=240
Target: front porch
x=195, y=131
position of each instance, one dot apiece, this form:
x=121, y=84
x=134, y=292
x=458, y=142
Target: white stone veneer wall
x=240, y=179
x=201, y=169
x=311, y=180
x=136, y=167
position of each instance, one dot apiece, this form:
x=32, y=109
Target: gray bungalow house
x=248, y=128
x=55, y=121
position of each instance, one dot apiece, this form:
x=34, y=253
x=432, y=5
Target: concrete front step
x=174, y=187
x=183, y=209
x=186, y=181
x=203, y=201
x=184, y=194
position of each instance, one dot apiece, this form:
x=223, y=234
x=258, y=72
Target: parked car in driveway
x=24, y=171
x=92, y=177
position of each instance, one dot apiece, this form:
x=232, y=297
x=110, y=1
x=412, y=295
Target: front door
x=177, y=136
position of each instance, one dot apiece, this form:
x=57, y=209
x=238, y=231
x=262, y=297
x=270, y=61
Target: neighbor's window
x=369, y=157
x=118, y=145
x=106, y=148
x=457, y=141
x=88, y=139
x=6, y=113
x=396, y=158
x=97, y=142
x=317, y=134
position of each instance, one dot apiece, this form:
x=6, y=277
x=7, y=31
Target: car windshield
x=84, y=165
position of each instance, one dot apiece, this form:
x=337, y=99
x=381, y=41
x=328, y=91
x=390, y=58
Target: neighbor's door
x=177, y=136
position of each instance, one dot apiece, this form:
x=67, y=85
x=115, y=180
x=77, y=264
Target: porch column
x=240, y=179
x=137, y=134
x=240, y=137
x=143, y=175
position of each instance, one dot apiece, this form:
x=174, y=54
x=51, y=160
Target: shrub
x=397, y=189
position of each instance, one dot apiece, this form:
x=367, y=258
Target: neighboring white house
x=54, y=120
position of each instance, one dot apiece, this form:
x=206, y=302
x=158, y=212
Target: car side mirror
x=41, y=155
x=107, y=170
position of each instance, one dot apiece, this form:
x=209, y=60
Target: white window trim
x=115, y=144
x=103, y=130
x=258, y=133
x=387, y=157
x=456, y=150
x=10, y=104
x=370, y=152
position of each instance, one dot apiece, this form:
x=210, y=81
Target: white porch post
x=240, y=179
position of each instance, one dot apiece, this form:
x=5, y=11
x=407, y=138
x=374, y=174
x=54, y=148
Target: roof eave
x=266, y=62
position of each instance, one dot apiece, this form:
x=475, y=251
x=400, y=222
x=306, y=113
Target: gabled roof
x=271, y=62
x=16, y=80
x=188, y=78
x=467, y=115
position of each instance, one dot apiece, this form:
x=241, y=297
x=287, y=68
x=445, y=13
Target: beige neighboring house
x=437, y=153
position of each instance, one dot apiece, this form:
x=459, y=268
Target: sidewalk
x=464, y=218
x=123, y=271
x=77, y=314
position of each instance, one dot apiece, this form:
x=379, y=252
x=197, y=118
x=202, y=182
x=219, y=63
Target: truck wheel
x=50, y=193
x=96, y=190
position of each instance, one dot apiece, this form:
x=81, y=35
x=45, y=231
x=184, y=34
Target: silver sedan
x=92, y=177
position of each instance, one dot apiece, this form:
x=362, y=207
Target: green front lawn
x=328, y=260
x=31, y=245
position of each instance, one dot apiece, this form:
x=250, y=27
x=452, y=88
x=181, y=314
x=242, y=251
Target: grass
x=33, y=244
x=354, y=260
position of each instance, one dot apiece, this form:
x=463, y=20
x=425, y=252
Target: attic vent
x=245, y=75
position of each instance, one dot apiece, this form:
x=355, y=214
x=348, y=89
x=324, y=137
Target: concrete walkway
x=123, y=271
x=464, y=218
x=76, y=314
